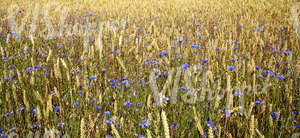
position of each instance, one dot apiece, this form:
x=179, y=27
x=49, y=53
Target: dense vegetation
x=90, y=68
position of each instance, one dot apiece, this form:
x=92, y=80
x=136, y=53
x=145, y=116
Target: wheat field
x=152, y=68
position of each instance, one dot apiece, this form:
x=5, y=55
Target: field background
x=70, y=83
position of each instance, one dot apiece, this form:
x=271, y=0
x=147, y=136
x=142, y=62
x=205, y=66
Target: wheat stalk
x=148, y=134
x=121, y=64
x=32, y=80
x=39, y=114
x=229, y=93
x=38, y=96
x=259, y=134
x=14, y=93
x=91, y=123
x=198, y=121
x=165, y=124
x=98, y=42
x=49, y=56
x=19, y=76
x=25, y=101
x=82, y=128
x=115, y=131
x=252, y=126
x=210, y=132
x=250, y=109
x=49, y=106
x=157, y=124
x=149, y=101
x=219, y=131
x=270, y=117
x=115, y=103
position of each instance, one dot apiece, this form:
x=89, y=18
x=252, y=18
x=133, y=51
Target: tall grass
x=90, y=77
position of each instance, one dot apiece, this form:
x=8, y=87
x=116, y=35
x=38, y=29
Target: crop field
x=150, y=68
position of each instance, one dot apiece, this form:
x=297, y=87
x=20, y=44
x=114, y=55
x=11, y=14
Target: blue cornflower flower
x=208, y=107
x=179, y=40
x=56, y=108
x=232, y=68
x=61, y=124
x=164, y=98
x=98, y=107
x=182, y=88
x=5, y=58
x=104, y=70
x=63, y=54
x=12, y=66
x=280, y=77
x=78, y=71
x=275, y=115
x=232, y=59
x=141, y=136
x=139, y=104
x=92, y=77
x=210, y=124
x=93, y=101
x=205, y=60
x=29, y=69
x=3, y=135
x=33, y=111
x=1, y=129
x=111, y=80
x=77, y=104
x=37, y=125
x=47, y=74
x=106, y=113
x=163, y=53
x=113, y=85
x=37, y=67
x=165, y=73
x=108, y=122
x=227, y=113
x=12, y=129
x=89, y=83
x=184, y=66
x=235, y=43
x=108, y=136
x=144, y=123
x=41, y=55
x=259, y=102
x=257, y=68
x=287, y=52
x=195, y=46
x=273, y=74
x=238, y=93
x=127, y=104
x=123, y=83
x=174, y=126
x=7, y=114
x=6, y=79
x=295, y=113
x=21, y=108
